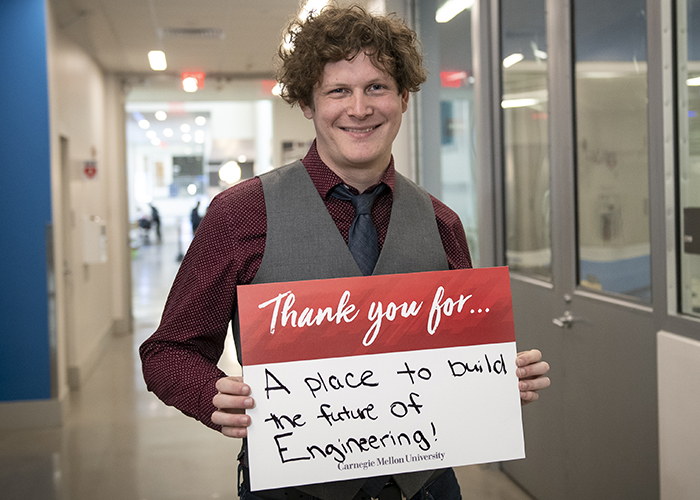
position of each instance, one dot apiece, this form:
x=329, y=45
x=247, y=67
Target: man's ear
x=308, y=110
x=404, y=100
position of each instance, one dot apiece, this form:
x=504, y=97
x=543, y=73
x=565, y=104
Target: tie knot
x=361, y=202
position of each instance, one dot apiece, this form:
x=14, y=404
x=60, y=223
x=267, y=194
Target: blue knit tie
x=362, y=239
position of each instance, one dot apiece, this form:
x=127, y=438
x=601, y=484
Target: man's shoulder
x=280, y=173
x=443, y=212
x=244, y=191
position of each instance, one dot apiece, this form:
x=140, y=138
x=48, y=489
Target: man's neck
x=360, y=179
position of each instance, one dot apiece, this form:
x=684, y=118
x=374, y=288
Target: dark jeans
x=445, y=487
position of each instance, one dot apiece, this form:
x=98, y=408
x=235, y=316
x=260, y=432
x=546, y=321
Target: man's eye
x=377, y=86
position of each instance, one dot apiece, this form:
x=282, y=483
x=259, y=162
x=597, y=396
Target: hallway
x=119, y=442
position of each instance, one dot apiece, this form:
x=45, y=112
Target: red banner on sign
x=303, y=320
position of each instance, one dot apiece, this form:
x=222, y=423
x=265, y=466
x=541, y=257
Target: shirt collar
x=325, y=179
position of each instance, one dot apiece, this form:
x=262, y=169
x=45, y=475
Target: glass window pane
x=611, y=142
x=447, y=128
x=525, y=137
x=689, y=151
x=457, y=114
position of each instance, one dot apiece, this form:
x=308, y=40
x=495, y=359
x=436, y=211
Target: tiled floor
x=121, y=443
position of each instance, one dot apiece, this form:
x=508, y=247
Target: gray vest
x=303, y=243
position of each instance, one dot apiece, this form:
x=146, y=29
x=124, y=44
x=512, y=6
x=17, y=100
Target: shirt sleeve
x=179, y=360
x=454, y=240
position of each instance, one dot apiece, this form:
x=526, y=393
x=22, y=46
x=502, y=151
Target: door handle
x=565, y=321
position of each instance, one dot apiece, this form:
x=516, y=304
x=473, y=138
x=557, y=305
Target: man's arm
x=180, y=358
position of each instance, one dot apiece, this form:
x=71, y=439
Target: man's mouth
x=359, y=130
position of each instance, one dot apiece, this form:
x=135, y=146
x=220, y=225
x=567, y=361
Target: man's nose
x=360, y=105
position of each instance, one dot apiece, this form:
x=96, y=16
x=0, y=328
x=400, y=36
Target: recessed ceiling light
x=161, y=115
x=189, y=84
x=230, y=172
x=156, y=59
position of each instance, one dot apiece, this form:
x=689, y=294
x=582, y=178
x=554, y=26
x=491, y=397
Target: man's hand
x=531, y=371
x=232, y=400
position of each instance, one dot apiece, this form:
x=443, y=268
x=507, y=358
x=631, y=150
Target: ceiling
x=228, y=38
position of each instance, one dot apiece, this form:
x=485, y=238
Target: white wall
x=87, y=109
x=679, y=412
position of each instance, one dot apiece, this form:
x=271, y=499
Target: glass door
x=578, y=243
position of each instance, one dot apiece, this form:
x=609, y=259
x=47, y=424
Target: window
x=612, y=147
x=688, y=57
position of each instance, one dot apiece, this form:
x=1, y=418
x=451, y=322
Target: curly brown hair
x=337, y=33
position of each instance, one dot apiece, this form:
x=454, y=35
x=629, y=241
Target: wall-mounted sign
x=90, y=169
x=192, y=80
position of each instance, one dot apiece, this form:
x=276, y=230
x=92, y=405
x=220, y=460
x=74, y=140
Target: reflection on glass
x=611, y=136
x=689, y=152
x=525, y=137
x=457, y=115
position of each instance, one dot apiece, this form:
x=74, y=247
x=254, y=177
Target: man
x=351, y=74
x=195, y=218
x=155, y=217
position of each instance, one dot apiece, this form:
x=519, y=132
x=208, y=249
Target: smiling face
x=356, y=112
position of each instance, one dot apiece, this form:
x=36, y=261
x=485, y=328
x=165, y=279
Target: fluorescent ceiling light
x=693, y=82
x=519, y=103
x=451, y=8
x=512, y=59
x=156, y=58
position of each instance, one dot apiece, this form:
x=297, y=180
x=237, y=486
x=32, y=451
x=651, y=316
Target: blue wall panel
x=25, y=201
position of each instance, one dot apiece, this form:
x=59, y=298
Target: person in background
x=155, y=219
x=351, y=73
x=144, y=222
x=195, y=218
